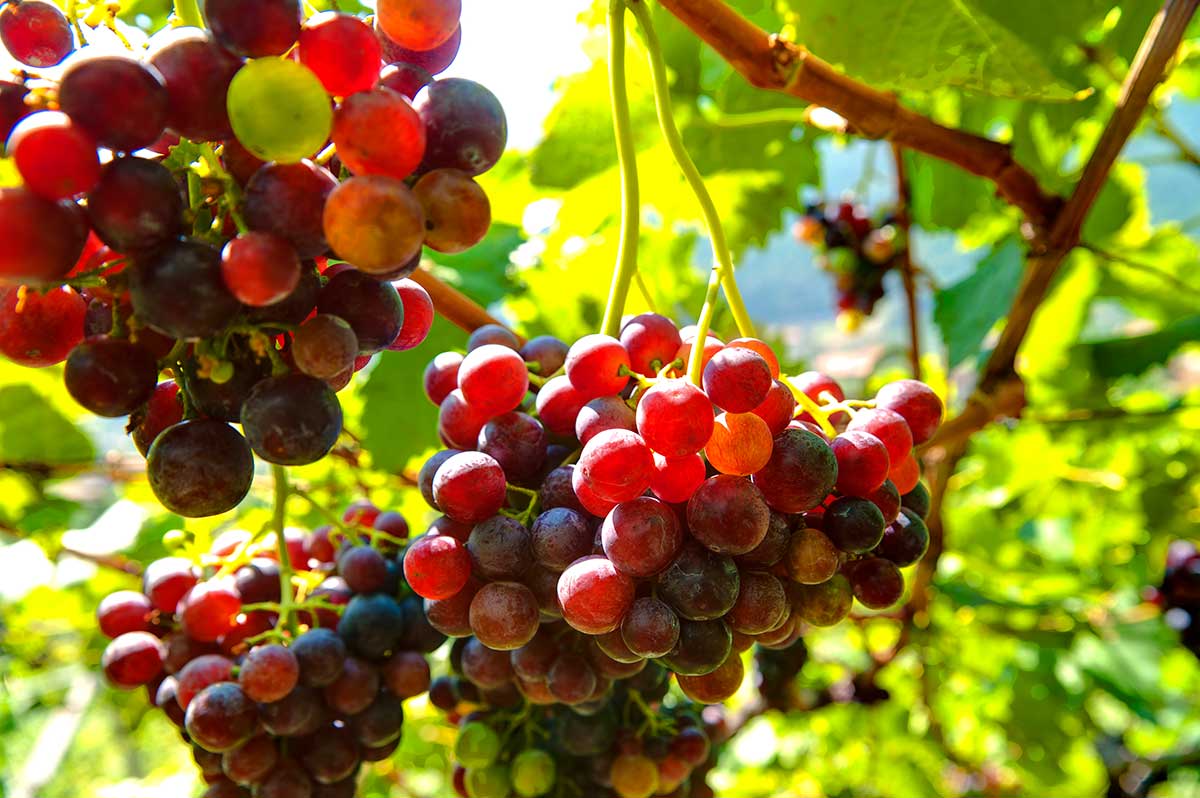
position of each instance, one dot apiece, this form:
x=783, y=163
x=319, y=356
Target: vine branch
x=907, y=272
x=455, y=306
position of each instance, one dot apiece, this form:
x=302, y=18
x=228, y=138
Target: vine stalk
x=188, y=13
x=279, y=521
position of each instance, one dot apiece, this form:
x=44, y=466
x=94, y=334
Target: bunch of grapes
x=629, y=744
x=854, y=248
x=278, y=698
x=659, y=519
x=1179, y=594
x=236, y=208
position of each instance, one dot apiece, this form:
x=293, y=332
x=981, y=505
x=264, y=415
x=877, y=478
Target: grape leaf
x=921, y=45
x=33, y=431
x=481, y=271
x=966, y=311
x=1117, y=357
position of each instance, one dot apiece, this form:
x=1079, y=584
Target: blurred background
x=1049, y=662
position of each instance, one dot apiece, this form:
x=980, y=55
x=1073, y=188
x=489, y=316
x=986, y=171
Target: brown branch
x=455, y=306
x=769, y=62
x=907, y=272
x=999, y=380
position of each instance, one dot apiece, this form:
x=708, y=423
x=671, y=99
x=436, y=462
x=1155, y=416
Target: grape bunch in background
x=623, y=514
x=856, y=249
x=1179, y=594
x=287, y=697
x=237, y=208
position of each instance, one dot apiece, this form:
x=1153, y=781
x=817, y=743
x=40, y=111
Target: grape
x=372, y=309
x=616, y=465
x=517, y=442
x=699, y=584
x=288, y=200
x=500, y=548
x=221, y=717
x=813, y=383
x=650, y=628
x=675, y=418
x=136, y=206
x=531, y=662
x=178, y=290
x=761, y=349
x=279, y=110
x=560, y=536
x=260, y=268
x=465, y=126
x=906, y=474
x=493, y=334
x=38, y=330
x=419, y=24
x=493, y=379
x=533, y=773
x=887, y=499
x=374, y=222
x=336, y=592
x=877, y=583
x=854, y=525
x=634, y=776
x=715, y=687
x=916, y=403
x=418, y=315
x=166, y=581
x=441, y=376
x=594, y=595
x=683, y=354
x=741, y=444
x=321, y=655
x=292, y=420
x=651, y=341
x=406, y=674
x=124, y=611
x=692, y=746
x=364, y=569
x=209, y=609
x=377, y=132
x=558, y=404
x=254, y=28
x=133, y=113
x=355, y=689
x=571, y=679
x=604, y=413
x=593, y=366
x=330, y=755
x=761, y=604
x=197, y=73
x=800, y=474
x=110, y=376
x=811, y=557
x=36, y=33
x=406, y=79
x=269, y=673
x=737, y=379
x=299, y=710
x=42, y=239
x=504, y=615
x=429, y=470
x=889, y=427
x=862, y=462
x=342, y=51
x=557, y=491
x=324, y=346
x=437, y=566
x=258, y=580
x=484, y=667
x=372, y=625
x=773, y=547
x=905, y=540
x=489, y=782
x=287, y=780
x=728, y=515
x=457, y=211
x=675, y=479
x=56, y=158
x=777, y=409
x=548, y=352
x=133, y=659
x=12, y=106
x=469, y=487
x=917, y=500
x=250, y=762
x=223, y=401
x=641, y=537
x=825, y=604
x=381, y=723
x=431, y=62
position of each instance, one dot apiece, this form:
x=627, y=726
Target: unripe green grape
x=533, y=773
x=279, y=110
x=477, y=746
x=489, y=782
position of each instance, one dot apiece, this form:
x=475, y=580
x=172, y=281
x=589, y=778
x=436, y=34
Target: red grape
x=594, y=595
x=110, y=376
x=641, y=537
x=42, y=239
x=324, y=346
x=877, y=583
x=437, y=566
x=715, y=687
x=133, y=659
x=800, y=474
x=221, y=717
x=862, y=462
x=209, y=609
x=889, y=427
x=650, y=338
x=675, y=418
x=650, y=628
x=558, y=404
x=728, y=515
x=122, y=102
x=916, y=402
x=741, y=444
x=137, y=205
x=493, y=379
x=431, y=61
x=465, y=126
x=375, y=222
x=342, y=51
x=616, y=465
x=38, y=330
x=36, y=33
x=372, y=308
x=377, y=132
x=470, y=487
x=441, y=375
x=675, y=479
x=418, y=316
x=124, y=611
x=778, y=408
x=759, y=347
x=811, y=557
x=459, y=422
x=504, y=615
x=906, y=474
x=289, y=200
x=761, y=604
x=419, y=24
x=457, y=211
x=905, y=540
x=254, y=28
x=604, y=413
x=197, y=72
x=56, y=158
x=737, y=379
x=269, y=673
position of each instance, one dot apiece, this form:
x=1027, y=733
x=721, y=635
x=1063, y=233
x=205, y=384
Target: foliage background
x=1040, y=669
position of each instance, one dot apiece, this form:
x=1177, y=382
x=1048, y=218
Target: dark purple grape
x=650, y=628
x=465, y=126
x=254, y=28
x=500, y=549
x=221, y=717
x=854, y=525
x=800, y=474
x=296, y=306
x=700, y=585
x=292, y=420
x=372, y=625
x=517, y=442
x=548, y=352
x=322, y=654
x=223, y=400
x=196, y=72
x=556, y=490
x=877, y=583
x=372, y=308
x=258, y=581
x=905, y=540
x=363, y=568
x=330, y=755
x=250, y=762
x=292, y=715
x=917, y=500
x=178, y=290
x=287, y=780
x=121, y=102
x=560, y=536
x=136, y=206
x=289, y=201
x=772, y=548
x=200, y=468
x=379, y=724
x=492, y=334
x=702, y=648
x=110, y=376
x=355, y=689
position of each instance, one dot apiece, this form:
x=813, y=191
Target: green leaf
x=966, y=311
x=922, y=45
x=482, y=271
x=1126, y=665
x=32, y=431
x=1118, y=357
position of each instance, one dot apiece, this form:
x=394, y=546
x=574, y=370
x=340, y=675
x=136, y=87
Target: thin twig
x=905, y=256
x=1121, y=260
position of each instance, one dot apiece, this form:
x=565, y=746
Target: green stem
x=188, y=13
x=627, y=248
x=279, y=521
x=813, y=409
x=670, y=131
x=696, y=361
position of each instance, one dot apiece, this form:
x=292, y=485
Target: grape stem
x=187, y=12
x=627, y=247
x=812, y=408
x=696, y=361
x=670, y=133
x=286, y=615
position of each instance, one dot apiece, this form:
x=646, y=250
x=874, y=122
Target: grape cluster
x=629, y=745
x=1179, y=594
x=238, y=209
x=660, y=520
x=278, y=699
x=856, y=249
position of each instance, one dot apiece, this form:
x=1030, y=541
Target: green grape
x=533, y=773
x=477, y=746
x=489, y=782
x=279, y=110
